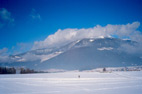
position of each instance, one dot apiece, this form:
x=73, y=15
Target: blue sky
x=33, y=20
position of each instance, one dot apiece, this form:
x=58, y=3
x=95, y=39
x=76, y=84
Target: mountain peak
x=85, y=53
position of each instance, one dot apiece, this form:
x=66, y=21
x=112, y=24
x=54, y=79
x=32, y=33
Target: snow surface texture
x=69, y=83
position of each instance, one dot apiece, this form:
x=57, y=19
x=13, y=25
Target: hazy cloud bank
x=68, y=35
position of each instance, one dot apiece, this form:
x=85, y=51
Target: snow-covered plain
x=69, y=83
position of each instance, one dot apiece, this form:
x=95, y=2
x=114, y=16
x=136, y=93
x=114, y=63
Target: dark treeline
x=25, y=71
x=5, y=70
x=8, y=70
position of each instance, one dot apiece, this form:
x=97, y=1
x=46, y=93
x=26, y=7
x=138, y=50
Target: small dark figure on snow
x=104, y=69
x=78, y=76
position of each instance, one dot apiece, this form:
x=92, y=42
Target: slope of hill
x=81, y=54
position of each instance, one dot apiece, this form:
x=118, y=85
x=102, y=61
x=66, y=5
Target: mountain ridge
x=87, y=53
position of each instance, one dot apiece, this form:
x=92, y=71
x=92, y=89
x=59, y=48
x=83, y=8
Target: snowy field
x=69, y=83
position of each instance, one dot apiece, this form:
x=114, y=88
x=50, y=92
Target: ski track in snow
x=69, y=83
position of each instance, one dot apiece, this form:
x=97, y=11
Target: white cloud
x=34, y=15
x=5, y=18
x=67, y=35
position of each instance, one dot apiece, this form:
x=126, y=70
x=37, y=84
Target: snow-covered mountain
x=82, y=54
